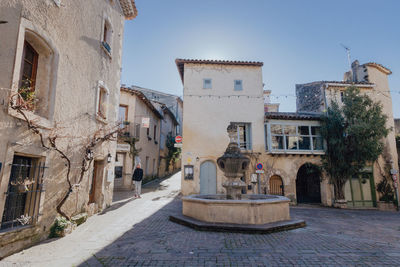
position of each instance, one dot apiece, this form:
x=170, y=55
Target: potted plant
x=386, y=192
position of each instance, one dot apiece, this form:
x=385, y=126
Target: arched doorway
x=308, y=184
x=208, y=178
x=276, y=185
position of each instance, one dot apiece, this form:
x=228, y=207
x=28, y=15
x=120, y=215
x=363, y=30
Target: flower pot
x=340, y=203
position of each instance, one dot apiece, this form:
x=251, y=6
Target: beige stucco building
x=289, y=145
x=70, y=53
x=168, y=130
x=144, y=125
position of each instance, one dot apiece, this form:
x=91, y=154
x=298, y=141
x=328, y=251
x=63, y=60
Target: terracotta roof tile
x=379, y=67
x=180, y=63
x=142, y=97
x=292, y=116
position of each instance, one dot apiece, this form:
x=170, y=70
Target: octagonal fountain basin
x=251, y=209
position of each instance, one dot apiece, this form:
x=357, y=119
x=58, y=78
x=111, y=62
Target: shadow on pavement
x=142, y=240
x=121, y=198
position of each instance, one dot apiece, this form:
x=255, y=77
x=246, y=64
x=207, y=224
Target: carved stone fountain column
x=233, y=163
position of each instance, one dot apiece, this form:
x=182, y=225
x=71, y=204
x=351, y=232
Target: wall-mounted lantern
x=89, y=154
x=188, y=172
x=109, y=158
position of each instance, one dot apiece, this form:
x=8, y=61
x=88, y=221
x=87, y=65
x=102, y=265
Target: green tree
x=173, y=152
x=354, y=137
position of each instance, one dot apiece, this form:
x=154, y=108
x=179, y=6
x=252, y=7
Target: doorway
x=208, y=178
x=276, y=185
x=308, y=184
x=92, y=192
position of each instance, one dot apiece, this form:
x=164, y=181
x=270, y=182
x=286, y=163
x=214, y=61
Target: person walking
x=137, y=178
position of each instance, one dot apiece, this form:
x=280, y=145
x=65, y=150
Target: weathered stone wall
x=310, y=97
x=77, y=62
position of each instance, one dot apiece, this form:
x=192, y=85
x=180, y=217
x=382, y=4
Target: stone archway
x=308, y=184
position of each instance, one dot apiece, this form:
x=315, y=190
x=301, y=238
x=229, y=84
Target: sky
x=298, y=41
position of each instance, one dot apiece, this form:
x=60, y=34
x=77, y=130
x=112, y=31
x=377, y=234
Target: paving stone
x=332, y=237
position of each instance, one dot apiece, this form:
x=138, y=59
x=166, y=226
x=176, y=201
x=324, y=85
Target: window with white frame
x=207, y=83
x=102, y=101
x=293, y=137
x=238, y=85
x=244, y=135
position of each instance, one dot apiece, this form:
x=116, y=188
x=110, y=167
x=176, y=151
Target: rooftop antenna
x=348, y=54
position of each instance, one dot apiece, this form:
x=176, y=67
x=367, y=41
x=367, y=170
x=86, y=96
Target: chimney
x=354, y=68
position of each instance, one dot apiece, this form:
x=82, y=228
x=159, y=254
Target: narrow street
x=99, y=230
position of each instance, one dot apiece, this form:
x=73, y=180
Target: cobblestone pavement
x=332, y=238
x=138, y=233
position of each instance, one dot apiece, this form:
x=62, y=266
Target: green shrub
x=57, y=229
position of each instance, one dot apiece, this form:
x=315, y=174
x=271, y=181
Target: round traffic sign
x=259, y=166
x=178, y=139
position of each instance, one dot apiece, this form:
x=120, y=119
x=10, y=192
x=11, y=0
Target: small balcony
x=129, y=130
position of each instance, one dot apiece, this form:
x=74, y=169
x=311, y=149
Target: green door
x=360, y=191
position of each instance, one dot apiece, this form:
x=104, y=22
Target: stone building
x=168, y=129
x=268, y=106
x=144, y=124
x=371, y=79
x=61, y=60
x=397, y=126
x=288, y=144
x=172, y=102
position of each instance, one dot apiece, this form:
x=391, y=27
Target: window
x=29, y=67
x=35, y=65
x=106, y=36
x=207, y=84
x=342, y=96
x=122, y=115
x=119, y=163
x=23, y=193
x=238, y=85
x=155, y=132
x=102, y=102
x=137, y=131
x=100, y=109
x=292, y=137
x=244, y=135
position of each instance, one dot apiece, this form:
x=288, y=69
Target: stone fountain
x=233, y=163
x=235, y=211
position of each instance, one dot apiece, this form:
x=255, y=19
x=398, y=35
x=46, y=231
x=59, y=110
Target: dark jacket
x=137, y=174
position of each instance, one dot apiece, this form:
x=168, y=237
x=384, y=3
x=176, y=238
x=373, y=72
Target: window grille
x=23, y=194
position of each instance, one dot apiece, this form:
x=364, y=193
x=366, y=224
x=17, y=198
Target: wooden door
x=276, y=185
x=208, y=178
x=92, y=192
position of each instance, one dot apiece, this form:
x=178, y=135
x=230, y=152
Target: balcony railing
x=129, y=130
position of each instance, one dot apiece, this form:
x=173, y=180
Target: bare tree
x=21, y=104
